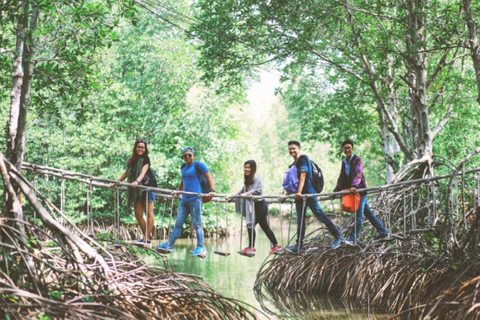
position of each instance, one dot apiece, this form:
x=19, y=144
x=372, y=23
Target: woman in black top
x=138, y=172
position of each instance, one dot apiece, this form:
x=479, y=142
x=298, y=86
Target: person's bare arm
x=180, y=188
x=301, y=183
x=122, y=177
x=211, y=184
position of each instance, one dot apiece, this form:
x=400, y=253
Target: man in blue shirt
x=190, y=203
x=304, y=170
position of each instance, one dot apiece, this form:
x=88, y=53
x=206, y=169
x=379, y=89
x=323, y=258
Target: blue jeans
x=194, y=207
x=151, y=197
x=371, y=217
x=313, y=204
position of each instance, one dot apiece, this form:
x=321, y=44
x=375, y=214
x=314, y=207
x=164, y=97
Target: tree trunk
x=473, y=40
x=422, y=135
x=390, y=144
x=28, y=67
x=17, y=81
x=387, y=114
x=17, y=222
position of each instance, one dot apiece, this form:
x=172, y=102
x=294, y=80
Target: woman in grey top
x=254, y=211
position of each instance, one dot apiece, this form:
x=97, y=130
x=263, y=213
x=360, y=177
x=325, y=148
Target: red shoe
x=275, y=249
x=249, y=250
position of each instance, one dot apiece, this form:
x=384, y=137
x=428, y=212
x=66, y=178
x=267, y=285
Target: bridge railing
x=406, y=207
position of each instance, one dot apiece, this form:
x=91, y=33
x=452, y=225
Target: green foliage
x=273, y=212
x=107, y=73
x=12, y=297
x=460, y=137
x=67, y=37
x=51, y=244
x=115, y=81
x=341, y=64
x=106, y=236
x=332, y=115
x=88, y=298
x=139, y=250
x=56, y=294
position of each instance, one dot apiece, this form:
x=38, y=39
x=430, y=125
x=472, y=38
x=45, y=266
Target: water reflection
x=234, y=276
x=295, y=305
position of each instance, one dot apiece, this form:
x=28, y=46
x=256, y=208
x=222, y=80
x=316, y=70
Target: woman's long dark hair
x=253, y=169
x=134, y=158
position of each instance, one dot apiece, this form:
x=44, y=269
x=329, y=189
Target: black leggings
x=261, y=211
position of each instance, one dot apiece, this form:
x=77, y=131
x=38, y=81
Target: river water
x=234, y=276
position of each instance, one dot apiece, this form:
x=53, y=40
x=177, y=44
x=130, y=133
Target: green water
x=234, y=276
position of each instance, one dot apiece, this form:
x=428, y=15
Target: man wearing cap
x=192, y=172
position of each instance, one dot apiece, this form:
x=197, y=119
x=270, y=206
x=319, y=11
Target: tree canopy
x=400, y=65
x=399, y=77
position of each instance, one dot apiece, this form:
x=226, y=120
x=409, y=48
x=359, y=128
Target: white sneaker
x=142, y=242
x=350, y=242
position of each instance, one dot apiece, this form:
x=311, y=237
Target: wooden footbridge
x=406, y=207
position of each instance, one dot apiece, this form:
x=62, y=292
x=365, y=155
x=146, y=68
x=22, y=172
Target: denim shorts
x=151, y=197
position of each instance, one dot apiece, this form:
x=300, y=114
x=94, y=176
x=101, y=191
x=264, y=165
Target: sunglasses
x=187, y=155
x=140, y=140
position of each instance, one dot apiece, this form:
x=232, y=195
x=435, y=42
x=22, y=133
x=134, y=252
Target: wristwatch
x=212, y=190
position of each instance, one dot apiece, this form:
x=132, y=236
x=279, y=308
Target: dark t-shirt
x=303, y=165
x=147, y=179
x=146, y=160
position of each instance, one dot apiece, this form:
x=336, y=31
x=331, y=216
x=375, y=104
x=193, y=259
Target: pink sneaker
x=249, y=250
x=275, y=249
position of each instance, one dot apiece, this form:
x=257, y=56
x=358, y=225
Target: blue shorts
x=151, y=197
